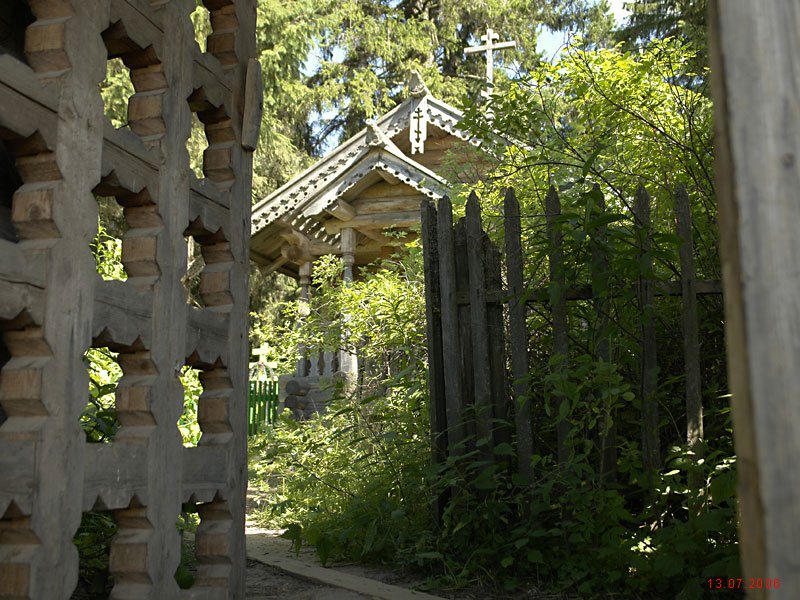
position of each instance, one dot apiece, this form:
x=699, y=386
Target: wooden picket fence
x=478, y=338
x=262, y=406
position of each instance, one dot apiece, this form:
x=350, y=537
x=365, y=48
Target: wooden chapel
x=343, y=204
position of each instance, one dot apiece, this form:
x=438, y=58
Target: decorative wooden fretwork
x=63, y=153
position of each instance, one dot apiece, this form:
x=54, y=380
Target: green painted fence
x=262, y=406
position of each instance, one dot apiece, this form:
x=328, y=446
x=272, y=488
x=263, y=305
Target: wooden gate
x=54, y=306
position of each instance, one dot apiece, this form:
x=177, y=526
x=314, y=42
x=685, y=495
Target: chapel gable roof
x=372, y=181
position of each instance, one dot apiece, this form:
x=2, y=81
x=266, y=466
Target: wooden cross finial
x=489, y=46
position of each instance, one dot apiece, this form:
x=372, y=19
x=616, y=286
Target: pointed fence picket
x=262, y=406
x=478, y=337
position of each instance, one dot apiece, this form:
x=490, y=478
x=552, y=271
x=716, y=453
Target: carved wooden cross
x=419, y=128
x=489, y=46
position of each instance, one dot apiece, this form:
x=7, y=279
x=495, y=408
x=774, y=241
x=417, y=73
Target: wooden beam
x=296, y=254
x=294, y=237
x=273, y=266
x=377, y=221
x=321, y=248
x=388, y=177
x=342, y=210
x=754, y=50
x=253, y=106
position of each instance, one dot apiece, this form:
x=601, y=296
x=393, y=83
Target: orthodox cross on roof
x=418, y=126
x=489, y=45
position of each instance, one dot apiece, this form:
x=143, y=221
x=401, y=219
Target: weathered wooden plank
x=204, y=188
x=465, y=334
x=206, y=336
x=451, y=338
x=479, y=327
x=124, y=312
x=651, y=452
x=757, y=115
x=17, y=484
x=204, y=473
x=64, y=146
x=114, y=474
x=18, y=266
x=558, y=308
x=25, y=116
x=691, y=335
x=48, y=566
x=599, y=270
x=342, y=210
x=502, y=431
x=390, y=204
x=20, y=77
x=374, y=221
x=518, y=337
x=437, y=403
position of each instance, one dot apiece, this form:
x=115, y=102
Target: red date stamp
x=742, y=583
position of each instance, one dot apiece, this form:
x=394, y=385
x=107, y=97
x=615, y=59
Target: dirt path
x=268, y=583
x=274, y=570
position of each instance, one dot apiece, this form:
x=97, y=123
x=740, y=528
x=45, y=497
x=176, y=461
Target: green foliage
x=187, y=424
x=659, y=19
x=329, y=66
x=107, y=251
x=196, y=145
x=99, y=419
x=93, y=541
x=612, y=119
x=352, y=481
x=116, y=90
x=602, y=117
x=201, y=20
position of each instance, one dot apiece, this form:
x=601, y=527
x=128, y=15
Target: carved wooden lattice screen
x=54, y=305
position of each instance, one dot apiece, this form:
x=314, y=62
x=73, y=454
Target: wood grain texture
x=601, y=294
x=691, y=334
x=480, y=372
x=757, y=116
x=451, y=337
x=648, y=362
x=558, y=308
x=518, y=336
x=54, y=305
x=437, y=403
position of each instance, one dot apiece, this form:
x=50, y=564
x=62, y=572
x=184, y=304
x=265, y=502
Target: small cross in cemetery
x=489, y=45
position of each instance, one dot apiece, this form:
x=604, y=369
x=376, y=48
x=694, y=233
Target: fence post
x=558, y=306
x=518, y=336
x=651, y=455
x=465, y=334
x=691, y=339
x=600, y=293
x=478, y=321
x=451, y=346
x=497, y=344
x=437, y=405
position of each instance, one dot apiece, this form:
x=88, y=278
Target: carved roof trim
x=305, y=188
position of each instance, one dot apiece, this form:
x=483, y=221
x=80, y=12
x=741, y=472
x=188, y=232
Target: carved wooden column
x=348, y=362
x=348, y=252
x=305, y=298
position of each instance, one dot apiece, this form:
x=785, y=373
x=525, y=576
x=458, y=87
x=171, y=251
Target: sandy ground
x=267, y=583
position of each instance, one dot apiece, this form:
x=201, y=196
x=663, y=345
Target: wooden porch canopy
x=373, y=181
